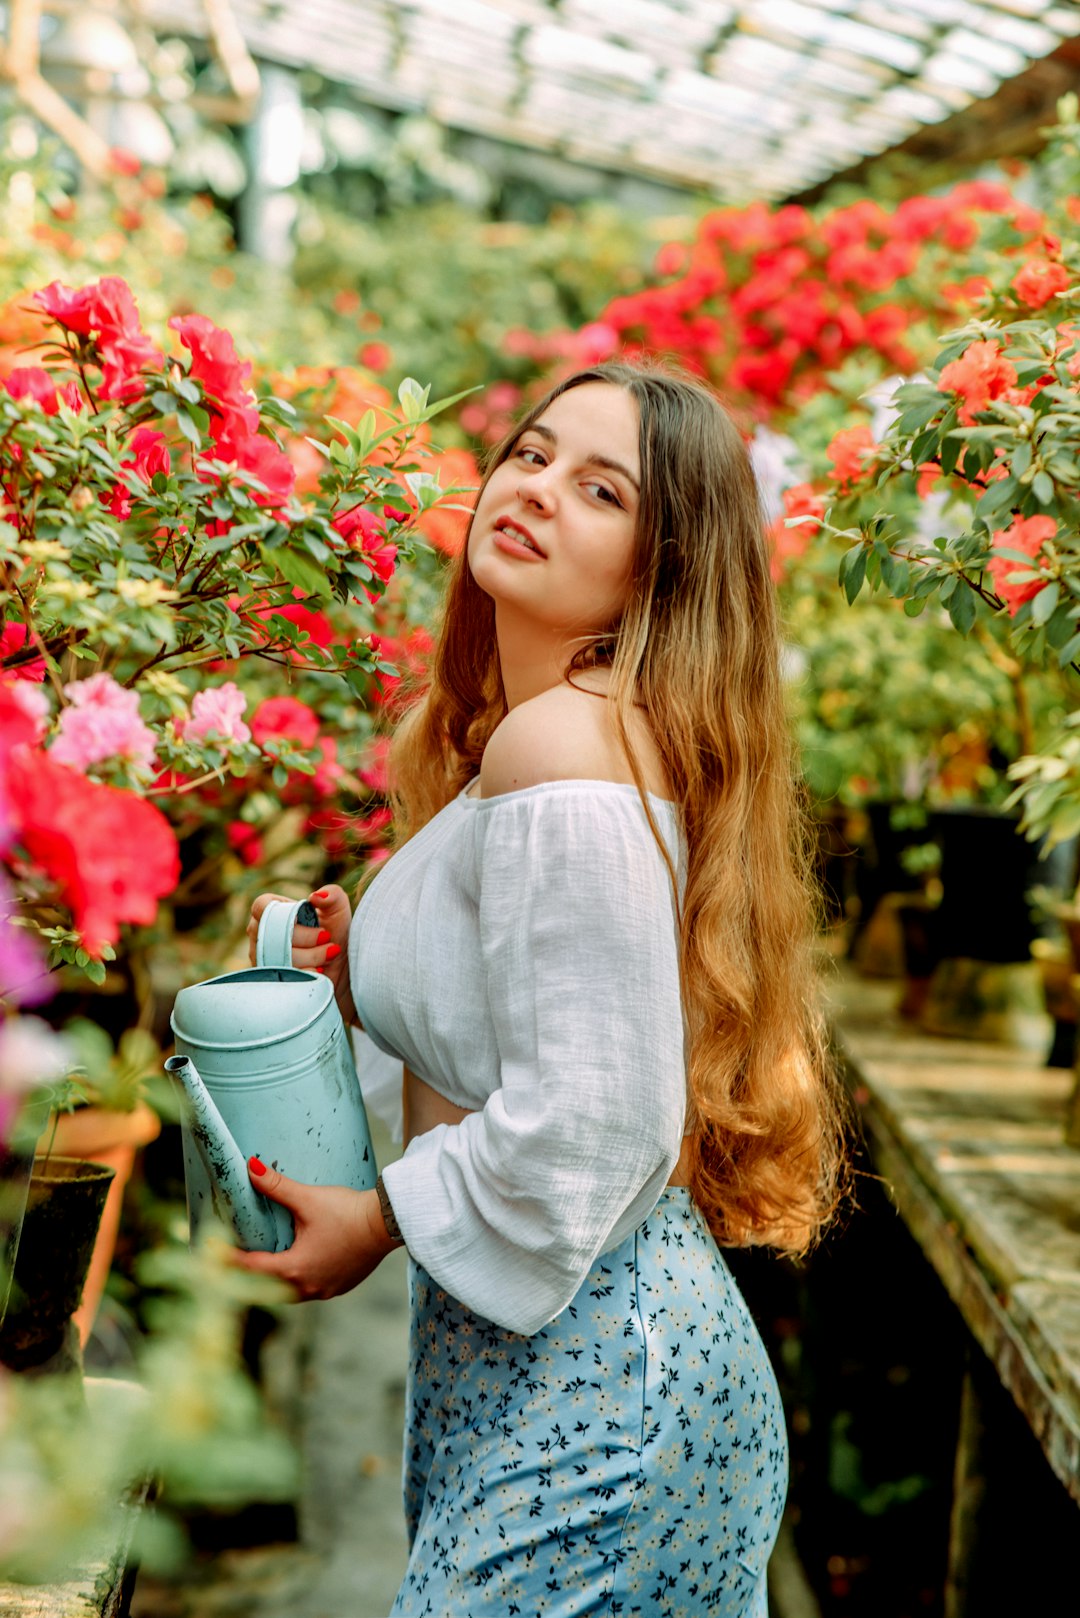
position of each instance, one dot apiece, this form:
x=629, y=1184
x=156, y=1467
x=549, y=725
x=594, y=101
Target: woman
x=592, y=952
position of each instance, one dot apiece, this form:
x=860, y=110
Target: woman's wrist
x=387, y=1215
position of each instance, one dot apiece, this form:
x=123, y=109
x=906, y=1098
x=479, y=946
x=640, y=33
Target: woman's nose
x=537, y=489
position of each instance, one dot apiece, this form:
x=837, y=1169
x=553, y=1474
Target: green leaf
x=1044, y=603
x=300, y=570
x=1069, y=652
x=1021, y=458
x=95, y=971
x=412, y=398
x=1043, y=487
x=853, y=571
x=915, y=605
x=280, y=776
x=962, y=608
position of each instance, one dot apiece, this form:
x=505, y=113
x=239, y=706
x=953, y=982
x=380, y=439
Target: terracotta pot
x=55, y=1244
x=96, y=1135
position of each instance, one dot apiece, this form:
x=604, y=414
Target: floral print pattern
x=628, y=1459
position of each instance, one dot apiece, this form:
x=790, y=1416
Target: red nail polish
x=320, y=971
x=322, y=895
x=323, y=938
x=256, y=1166
x=333, y=952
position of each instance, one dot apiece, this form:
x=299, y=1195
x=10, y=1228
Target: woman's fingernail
x=322, y=895
x=256, y=1166
x=319, y=970
x=323, y=938
x=333, y=952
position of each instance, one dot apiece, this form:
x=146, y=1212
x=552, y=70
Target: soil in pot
x=63, y=1211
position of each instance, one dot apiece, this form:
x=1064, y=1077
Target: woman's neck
x=532, y=657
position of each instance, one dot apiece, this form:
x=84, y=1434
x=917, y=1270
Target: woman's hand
x=320, y=949
x=340, y=1235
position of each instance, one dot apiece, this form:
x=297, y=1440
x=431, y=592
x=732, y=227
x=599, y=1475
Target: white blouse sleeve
x=508, y=1210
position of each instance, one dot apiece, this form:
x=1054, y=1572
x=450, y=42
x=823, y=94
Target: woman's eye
x=534, y=457
x=602, y=492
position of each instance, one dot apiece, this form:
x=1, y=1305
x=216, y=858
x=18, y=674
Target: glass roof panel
x=744, y=97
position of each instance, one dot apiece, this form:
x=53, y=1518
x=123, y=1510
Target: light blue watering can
x=275, y=1079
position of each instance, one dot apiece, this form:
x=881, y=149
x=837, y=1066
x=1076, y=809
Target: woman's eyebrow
x=594, y=460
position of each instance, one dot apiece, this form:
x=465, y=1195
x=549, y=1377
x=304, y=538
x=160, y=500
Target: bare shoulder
x=564, y=734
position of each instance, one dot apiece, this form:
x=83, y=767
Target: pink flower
x=285, y=716
x=23, y=978
x=102, y=723
x=215, y=715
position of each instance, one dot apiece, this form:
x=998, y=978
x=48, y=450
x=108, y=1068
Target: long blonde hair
x=698, y=649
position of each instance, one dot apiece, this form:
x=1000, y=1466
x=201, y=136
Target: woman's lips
x=515, y=539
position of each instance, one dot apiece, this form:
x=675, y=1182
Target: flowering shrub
x=770, y=303
x=984, y=448
x=153, y=542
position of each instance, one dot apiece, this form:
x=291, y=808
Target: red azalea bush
x=155, y=541
x=970, y=500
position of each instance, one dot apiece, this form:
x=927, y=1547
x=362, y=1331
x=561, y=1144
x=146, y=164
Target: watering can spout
x=218, y=1182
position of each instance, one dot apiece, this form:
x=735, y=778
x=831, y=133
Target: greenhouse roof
x=746, y=98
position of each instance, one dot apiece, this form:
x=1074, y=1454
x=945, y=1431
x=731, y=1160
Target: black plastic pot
x=55, y=1244
x=987, y=873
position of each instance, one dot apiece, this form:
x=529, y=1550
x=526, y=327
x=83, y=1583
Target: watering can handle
x=273, y=946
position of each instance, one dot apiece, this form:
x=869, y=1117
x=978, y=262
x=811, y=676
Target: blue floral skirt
x=630, y=1458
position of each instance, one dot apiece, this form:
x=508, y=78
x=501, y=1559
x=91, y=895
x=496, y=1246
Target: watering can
x=265, y=1068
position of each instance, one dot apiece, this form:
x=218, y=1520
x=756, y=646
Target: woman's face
x=553, y=534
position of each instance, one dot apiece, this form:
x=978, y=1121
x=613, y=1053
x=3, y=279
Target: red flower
x=32, y=382
x=316, y=625
x=982, y=373
x=260, y=456
x=849, y=453
x=375, y=356
x=800, y=501
x=375, y=773
x=245, y=841
x=12, y=640
x=285, y=716
x=1039, y=281
x=1025, y=534
x=106, y=309
x=224, y=376
x=148, y=455
x=365, y=532
x=112, y=854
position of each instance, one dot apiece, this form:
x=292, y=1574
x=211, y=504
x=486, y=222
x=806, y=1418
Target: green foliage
x=195, y=1424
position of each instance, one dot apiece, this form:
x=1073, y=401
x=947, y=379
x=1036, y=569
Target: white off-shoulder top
x=520, y=954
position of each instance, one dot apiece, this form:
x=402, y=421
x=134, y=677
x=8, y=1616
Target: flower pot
x=97, y=1135
x=987, y=873
x=63, y=1211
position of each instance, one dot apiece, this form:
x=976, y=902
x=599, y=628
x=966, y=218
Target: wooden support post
x=969, y=1491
